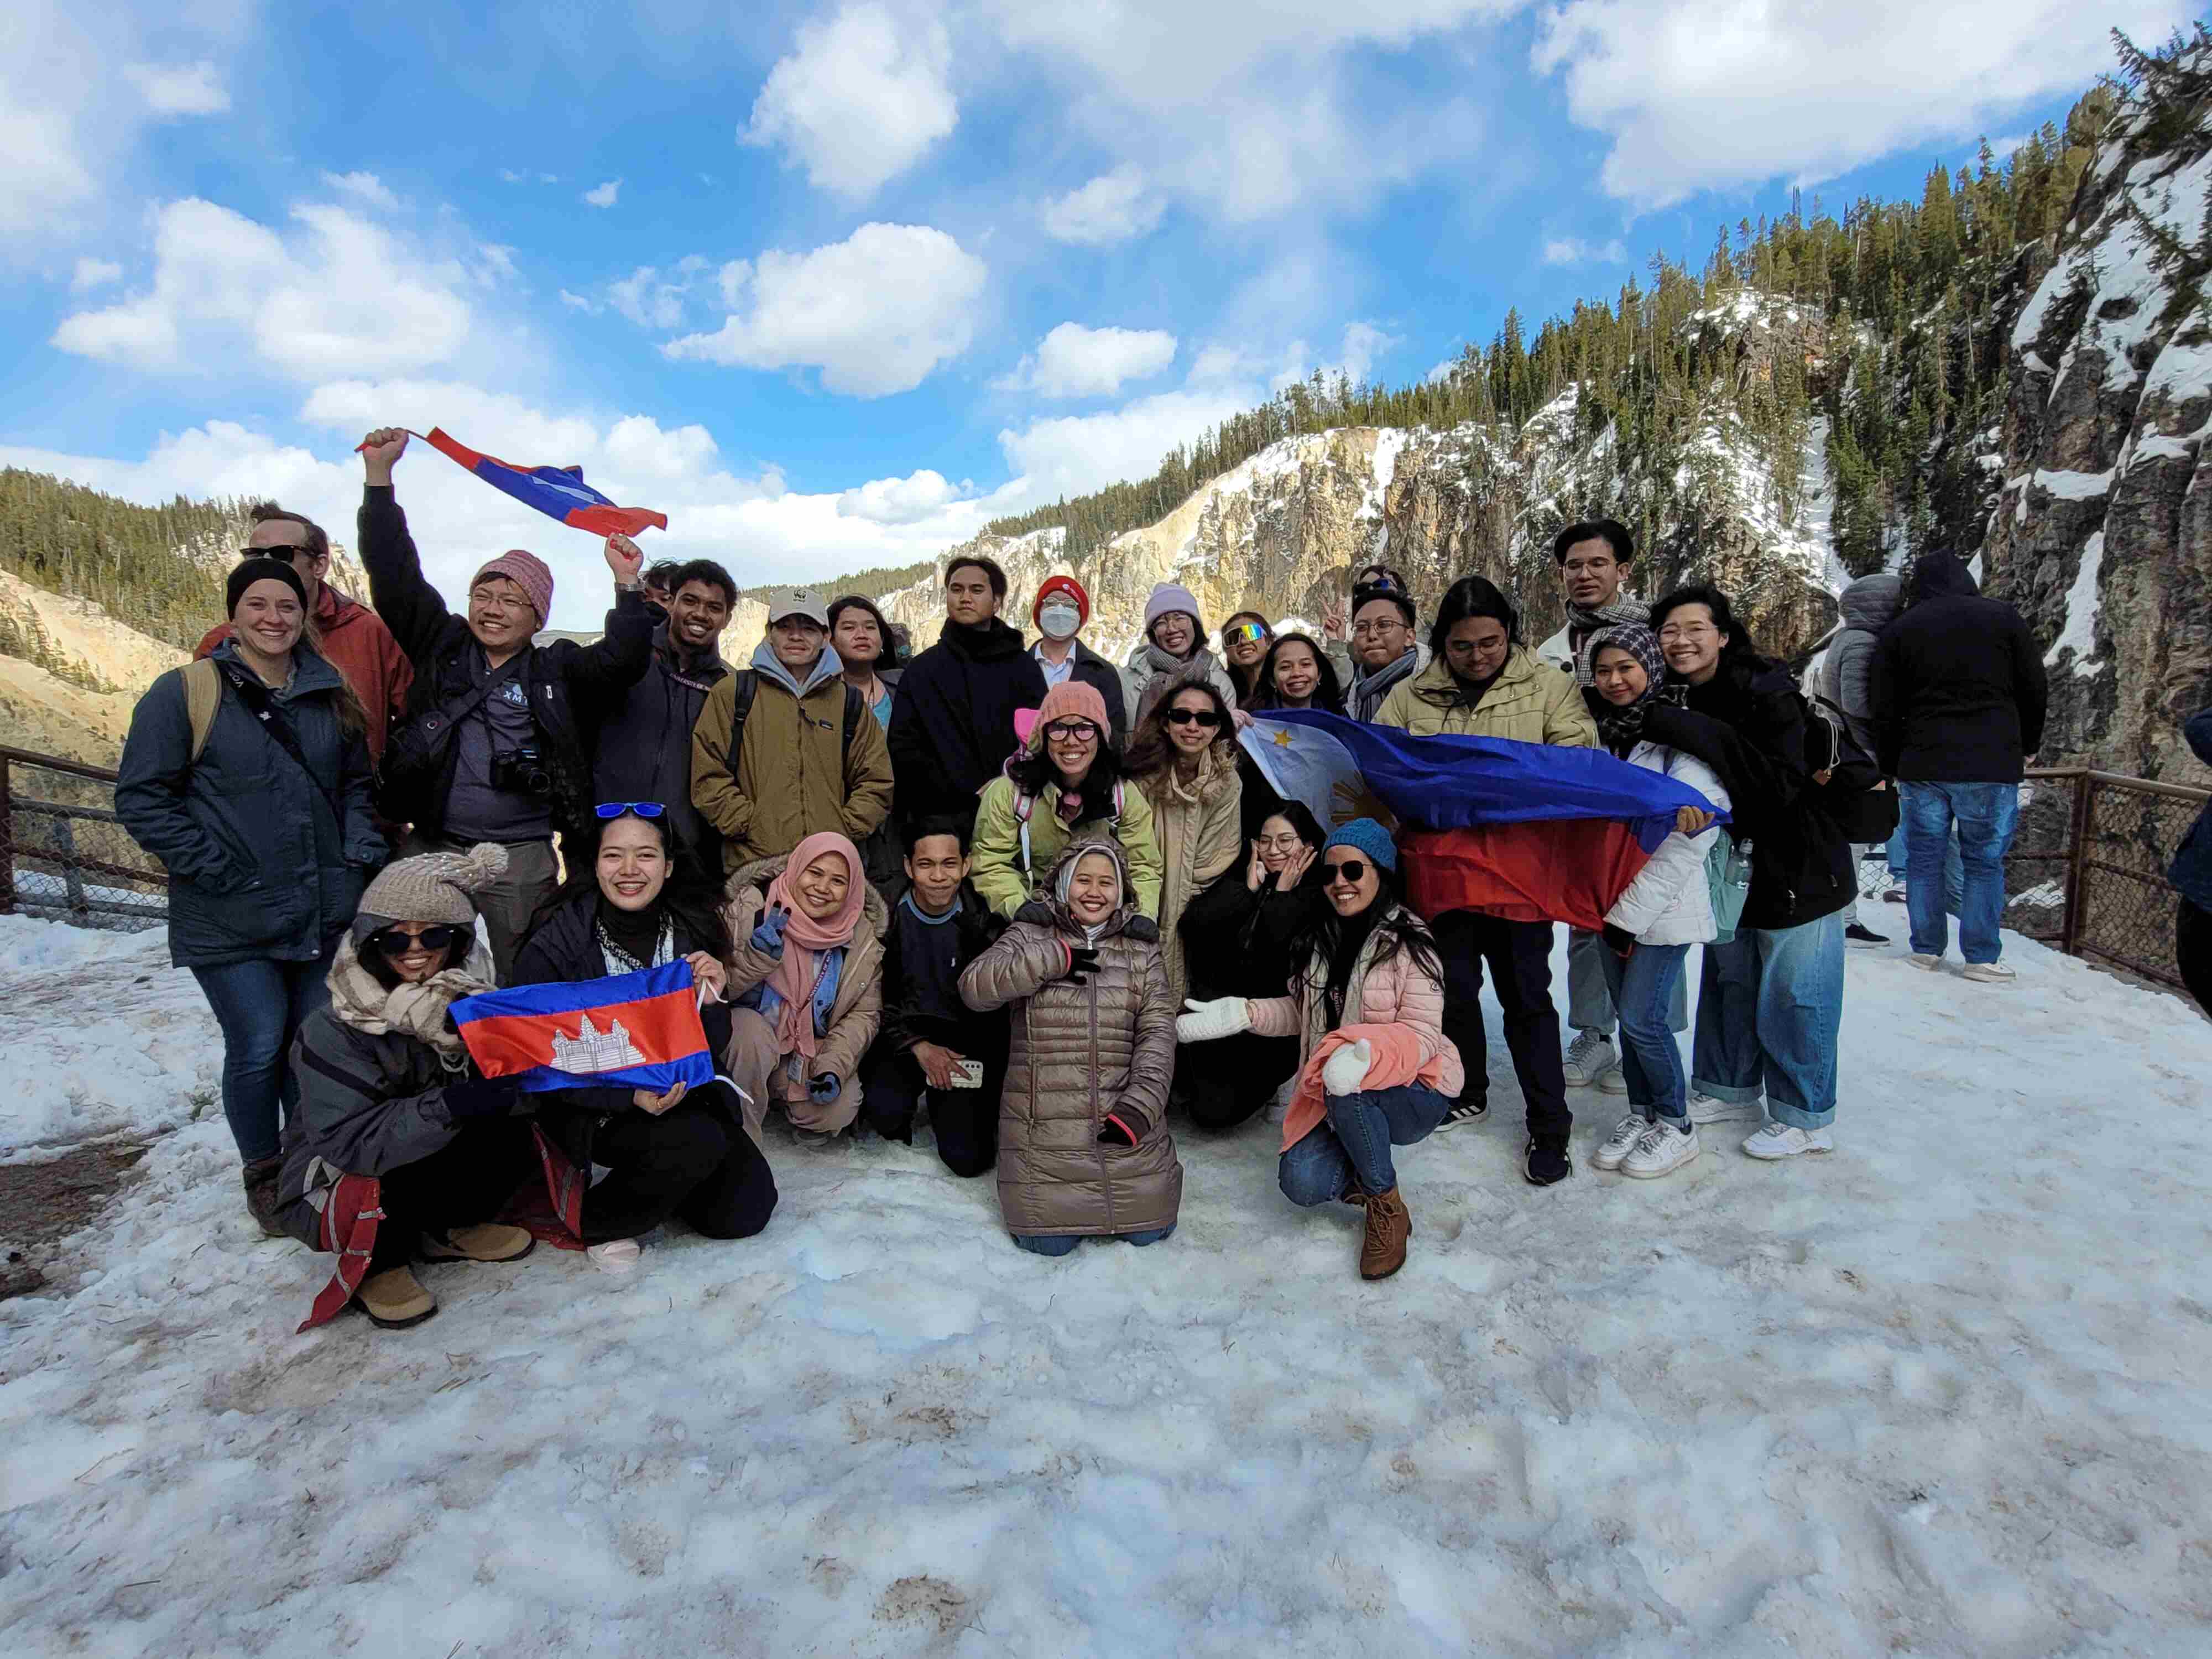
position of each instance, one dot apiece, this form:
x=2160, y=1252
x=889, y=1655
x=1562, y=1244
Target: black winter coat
x=975, y=928
x=1236, y=943
x=1101, y=677
x=643, y=746
x=264, y=860
x=573, y=688
x=1958, y=687
x=952, y=717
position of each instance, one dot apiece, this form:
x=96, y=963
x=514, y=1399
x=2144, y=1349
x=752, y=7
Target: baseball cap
x=797, y=602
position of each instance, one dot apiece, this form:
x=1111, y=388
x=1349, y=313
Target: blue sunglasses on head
x=644, y=809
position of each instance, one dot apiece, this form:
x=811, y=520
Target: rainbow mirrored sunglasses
x=644, y=809
x=1251, y=632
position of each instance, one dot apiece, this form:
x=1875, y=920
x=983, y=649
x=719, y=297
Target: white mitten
x=1223, y=1017
x=1344, y=1071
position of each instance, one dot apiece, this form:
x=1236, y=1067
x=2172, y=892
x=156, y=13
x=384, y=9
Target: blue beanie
x=1369, y=838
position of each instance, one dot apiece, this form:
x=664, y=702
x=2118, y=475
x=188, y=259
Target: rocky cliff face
x=2102, y=535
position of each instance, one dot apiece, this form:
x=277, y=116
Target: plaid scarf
x=1584, y=625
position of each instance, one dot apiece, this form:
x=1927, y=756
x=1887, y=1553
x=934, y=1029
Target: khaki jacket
x=1200, y=830
x=856, y=1013
x=793, y=776
x=1527, y=702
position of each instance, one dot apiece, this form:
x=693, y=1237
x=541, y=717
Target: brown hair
x=318, y=539
x=1150, y=751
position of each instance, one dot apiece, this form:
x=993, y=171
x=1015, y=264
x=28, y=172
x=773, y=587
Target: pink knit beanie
x=527, y=571
x=1072, y=700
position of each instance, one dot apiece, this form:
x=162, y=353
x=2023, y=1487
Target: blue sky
x=832, y=285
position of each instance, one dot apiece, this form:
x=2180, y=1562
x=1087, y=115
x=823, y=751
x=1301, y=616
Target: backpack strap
x=203, y=699
x=745, y=685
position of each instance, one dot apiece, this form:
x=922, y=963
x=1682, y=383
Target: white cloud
x=1068, y=454
x=875, y=313
x=860, y=102
x=1362, y=344
x=902, y=501
x=1573, y=251
x=1695, y=97
x=93, y=273
x=338, y=294
x=1075, y=362
x=1114, y=207
x=603, y=195
x=653, y=300
x=582, y=302
x=362, y=187
x=174, y=89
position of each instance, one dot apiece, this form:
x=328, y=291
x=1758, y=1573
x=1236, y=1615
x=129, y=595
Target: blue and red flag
x=558, y=492
x=1528, y=831
x=638, y=1031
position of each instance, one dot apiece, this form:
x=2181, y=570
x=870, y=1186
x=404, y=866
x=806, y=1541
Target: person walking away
x=1245, y=638
x=1172, y=650
x=784, y=748
x=1771, y=1001
x=1846, y=681
x=1959, y=698
x=631, y=902
x=248, y=776
x=1067, y=779
x=642, y=749
x=2192, y=875
x=1376, y=1068
x=1237, y=939
x=495, y=747
x=1665, y=910
x=807, y=977
x=931, y=1046
x=389, y=1096
x=1061, y=612
x=1481, y=682
x=348, y=634
x=952, y=717
x=869, y=658
x=1083, y=1147
x=1184, y=760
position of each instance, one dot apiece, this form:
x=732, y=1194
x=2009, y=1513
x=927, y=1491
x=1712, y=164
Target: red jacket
x=358, y=645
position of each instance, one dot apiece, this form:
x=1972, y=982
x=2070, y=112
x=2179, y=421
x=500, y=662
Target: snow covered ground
x=1942, y=1392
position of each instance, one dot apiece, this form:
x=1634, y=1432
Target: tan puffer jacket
x=1080, y=1052
x=1199, y=829
x=856, y=1013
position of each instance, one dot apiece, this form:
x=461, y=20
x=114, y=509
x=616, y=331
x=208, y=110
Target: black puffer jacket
x=573, y=688
x=1236, y=943
x=952, y=717
x=1958, y=687
x=642, y=748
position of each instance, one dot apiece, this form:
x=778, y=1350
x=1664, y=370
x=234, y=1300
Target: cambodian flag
x=637, y=1030
x=558, y=492
x=1528, y=831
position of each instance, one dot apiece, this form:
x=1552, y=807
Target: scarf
x=1368, y=691
x=805, y=940
x=994, y=641
x=1620, y=726
x=633, y=940
x=359, y=1000
x=1583, y=624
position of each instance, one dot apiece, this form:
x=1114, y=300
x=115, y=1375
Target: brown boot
x=261, y=1192
x=395, y=1299
x=487, y=1241
x=1389, y=1225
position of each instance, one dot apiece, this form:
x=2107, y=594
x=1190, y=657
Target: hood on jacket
x=1122, y=921
x=759, y=872
x=1942, y=576
x=1872, y=603
x=664, y=651
x=826, y=667
x=311, y=670
x=1217, y=776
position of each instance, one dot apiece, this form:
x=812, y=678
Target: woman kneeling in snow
x=1083, y=1150
x=392, y=1114
x=1375, y=1068
x=1665, y=910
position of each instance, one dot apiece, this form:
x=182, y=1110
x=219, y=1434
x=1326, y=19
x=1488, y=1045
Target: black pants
x=1519, y=955
x=1224, y=1083
x=466, y=1180
x=2192, y=950
x=966, y=1120
x=695, y=1161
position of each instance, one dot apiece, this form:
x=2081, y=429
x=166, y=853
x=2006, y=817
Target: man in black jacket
x=516, y=767
x=1959, y=700
x=952, y=717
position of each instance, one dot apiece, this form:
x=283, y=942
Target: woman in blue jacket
x=261, y=814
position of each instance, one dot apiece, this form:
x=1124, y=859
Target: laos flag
x=637, y=1030
x=558, y=492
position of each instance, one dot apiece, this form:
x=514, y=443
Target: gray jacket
x=1869, y=605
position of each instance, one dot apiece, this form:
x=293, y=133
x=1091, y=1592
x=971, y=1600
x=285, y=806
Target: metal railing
x=64, y=853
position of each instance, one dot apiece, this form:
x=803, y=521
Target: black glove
x=480, y=1097
x=1082, y=962
x=1115, y=1133
x=1619, y=941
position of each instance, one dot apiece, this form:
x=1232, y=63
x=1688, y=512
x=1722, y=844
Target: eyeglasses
x=285, y=555
x=1284, y=843
x=1351, y=870
x=1695, y=630
x=1381, y=625
x=644, y=809
x=1245, y=633
x=1072, y=731
x=398, y=942
x=1205, y=717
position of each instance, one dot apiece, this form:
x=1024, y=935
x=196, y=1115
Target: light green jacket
x=1007, y=880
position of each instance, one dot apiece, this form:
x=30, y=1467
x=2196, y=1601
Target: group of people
x=1045, y=901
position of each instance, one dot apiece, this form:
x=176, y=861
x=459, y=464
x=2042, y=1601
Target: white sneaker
x=1990, y=973
x=1704, y=1109
x=1926, y=964
x=616, y=1256
x=1613, y=1081
x=1662, y=1149
x=1775, y=1141
x=1589, y=1057
x=1622, y=1141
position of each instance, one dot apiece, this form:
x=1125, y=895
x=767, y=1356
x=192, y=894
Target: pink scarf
x=805, y=940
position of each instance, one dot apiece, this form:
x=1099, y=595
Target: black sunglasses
x=1352, y=870
x=283, y=555
x=398, y=942
x=615, y=809
x=1205, y=717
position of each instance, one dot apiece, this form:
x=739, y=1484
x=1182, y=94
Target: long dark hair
x=1149, y=749
x=1473, y=595
x=1247, y=683
x=688, y=896
x=838, y=606
x=1740, y=643
x=1032, y=770
x=1313, y=947
x=1329, y=689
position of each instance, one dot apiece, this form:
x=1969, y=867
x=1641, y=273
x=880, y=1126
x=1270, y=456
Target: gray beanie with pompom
x=433, y=887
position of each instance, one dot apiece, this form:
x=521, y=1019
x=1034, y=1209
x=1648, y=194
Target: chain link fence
x=64, y=853
x=2087, y=873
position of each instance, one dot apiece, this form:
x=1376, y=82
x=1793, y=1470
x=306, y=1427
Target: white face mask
x=1059, y=621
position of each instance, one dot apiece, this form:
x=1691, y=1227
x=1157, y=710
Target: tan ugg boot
x=395, y=1299
x=487, y=1241
x=1382, y=1252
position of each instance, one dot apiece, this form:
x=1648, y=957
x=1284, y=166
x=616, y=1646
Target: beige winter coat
x=856, y=1012
x=1198, y=828
x=1080, y=1052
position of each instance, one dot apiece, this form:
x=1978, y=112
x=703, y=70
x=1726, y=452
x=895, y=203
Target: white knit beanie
x=432, y=887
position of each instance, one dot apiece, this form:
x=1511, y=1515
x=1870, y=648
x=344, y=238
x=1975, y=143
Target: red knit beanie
x=1066, y=585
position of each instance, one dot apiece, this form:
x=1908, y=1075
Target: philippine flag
x=558, y=492
x=637, y=1030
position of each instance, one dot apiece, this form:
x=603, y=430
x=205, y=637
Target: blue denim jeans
x=1589, y=1000
x=1985, y=815
x=260, y=1006
x=1769, y=1009
x=1955, y=874
x=1645, y=989
x=1351, y=1146
x=1065, y=1243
